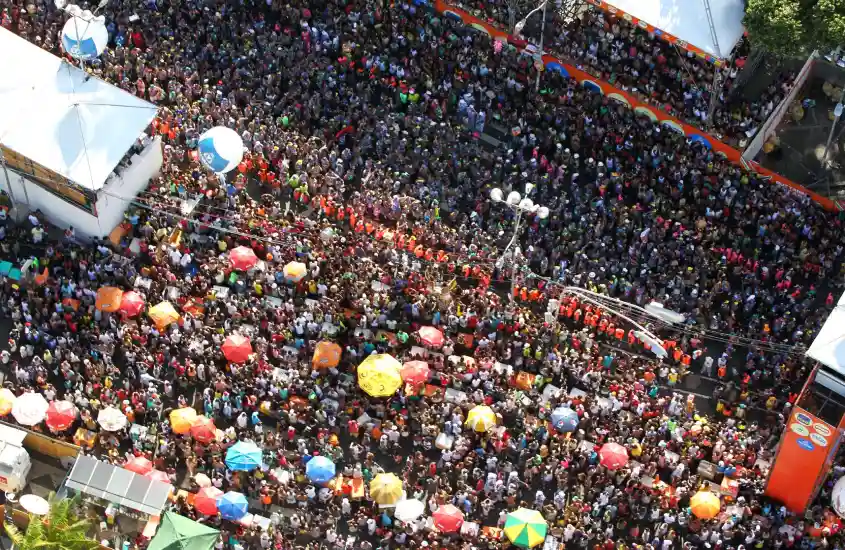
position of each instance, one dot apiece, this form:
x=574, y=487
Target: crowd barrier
x=552, y=63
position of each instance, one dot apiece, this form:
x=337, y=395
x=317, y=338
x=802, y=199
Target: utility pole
x=716, y=88
x=837, y=114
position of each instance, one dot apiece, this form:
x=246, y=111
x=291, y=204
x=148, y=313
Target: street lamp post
x=521, y=206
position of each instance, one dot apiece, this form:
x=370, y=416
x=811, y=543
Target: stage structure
x=814, y=429
x=71, y=145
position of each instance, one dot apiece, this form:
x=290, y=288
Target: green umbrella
x=180, y=533
x=525, y=528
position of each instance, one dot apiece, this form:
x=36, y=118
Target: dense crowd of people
x=364, y=161
x=672, y=78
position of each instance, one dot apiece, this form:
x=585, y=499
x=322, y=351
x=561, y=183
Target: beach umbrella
x=132, y=303
x=237, y=348
x=408, y=509
x=705, y=505
x=111, y=419
x=320, y=469
x=294, y=271
x=526, y=528
x=30, y=409
x=380, y=375
x=220, y=149
x=180, y=533
x=138, y=464
x=158, y=475
x=182, y=419
x=202, y=480
x=243, y=258
x=108, y=299
x=431, y=336
x=326, y=355
x=60, y=415
x=204, y=430
x=613, y=456
x=481, y=418
x=415, y=372
x=35, y=505
x=163, y=314
x=85, y=36
x=206, y=500
x=244, y=456
x=232, y=506
x=7, y=401
x=386, y=489
x=448, y=519
x=565, y=419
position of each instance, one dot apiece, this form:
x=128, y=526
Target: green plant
x=795, y=27
x=61, y=529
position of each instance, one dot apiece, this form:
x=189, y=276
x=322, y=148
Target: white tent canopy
x=687, y=20
x=52, y=115
x=829, y=349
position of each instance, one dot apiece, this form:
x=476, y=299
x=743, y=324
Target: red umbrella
x=237, y=348
x=613, y=456
x=243, y=258
x=138, y=464
x=158, y=475
x=431, y=336
x=415, y=372
x=204, y=430
x=448, y=519
x=206, y=500
x=60, y=415
x=132, y=303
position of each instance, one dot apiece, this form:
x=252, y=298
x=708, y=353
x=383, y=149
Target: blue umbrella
x=320, y=469
x=232, y=506
x=243, y=456
x=565, y=419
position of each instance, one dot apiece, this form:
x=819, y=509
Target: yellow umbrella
x=294, y=271
x=181, y=420
x=386, y=489
x=7, y=401
x=163, y=314
x=705, y=505
x=109, y=298
x=481, y=418
x=379, y=375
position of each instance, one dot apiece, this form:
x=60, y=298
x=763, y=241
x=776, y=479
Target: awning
x=180, y=533
x=829, y=349
x=112, y=483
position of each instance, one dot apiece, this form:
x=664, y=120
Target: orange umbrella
x=524, y=380
x=163, y=315
x=181, y=420
x=204, y=430
x=705, y=505
x=326, y=355
x=7, y=401
x=71, y=303
x=109, y=298
x=237, y=348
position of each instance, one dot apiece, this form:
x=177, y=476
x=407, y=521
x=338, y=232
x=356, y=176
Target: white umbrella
x=202, y=480
x=30, y=409
x=35, y=504
x=111, y=419
x=408, y=510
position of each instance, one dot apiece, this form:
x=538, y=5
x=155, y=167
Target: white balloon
x=83, y=39
x=837, y=498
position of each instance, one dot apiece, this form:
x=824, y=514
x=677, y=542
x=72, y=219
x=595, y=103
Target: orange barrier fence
x=552, y=63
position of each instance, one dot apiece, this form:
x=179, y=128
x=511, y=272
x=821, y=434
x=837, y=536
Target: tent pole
x=8, y=181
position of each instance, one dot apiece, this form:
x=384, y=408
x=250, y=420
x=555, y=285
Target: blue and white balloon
x=85, y=37
x=220, y=149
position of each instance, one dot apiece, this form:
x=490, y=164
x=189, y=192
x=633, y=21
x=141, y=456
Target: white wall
x=113, y=199
x=109, y=209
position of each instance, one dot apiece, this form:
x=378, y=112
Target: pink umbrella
x=158, y=475
x=61, y=415
x=132, y=303
x=243, y=258
x=206, y=500
x=415, y=372
x=431, y=336
x=139, y=465
x=613, y=456
x=237, y=348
